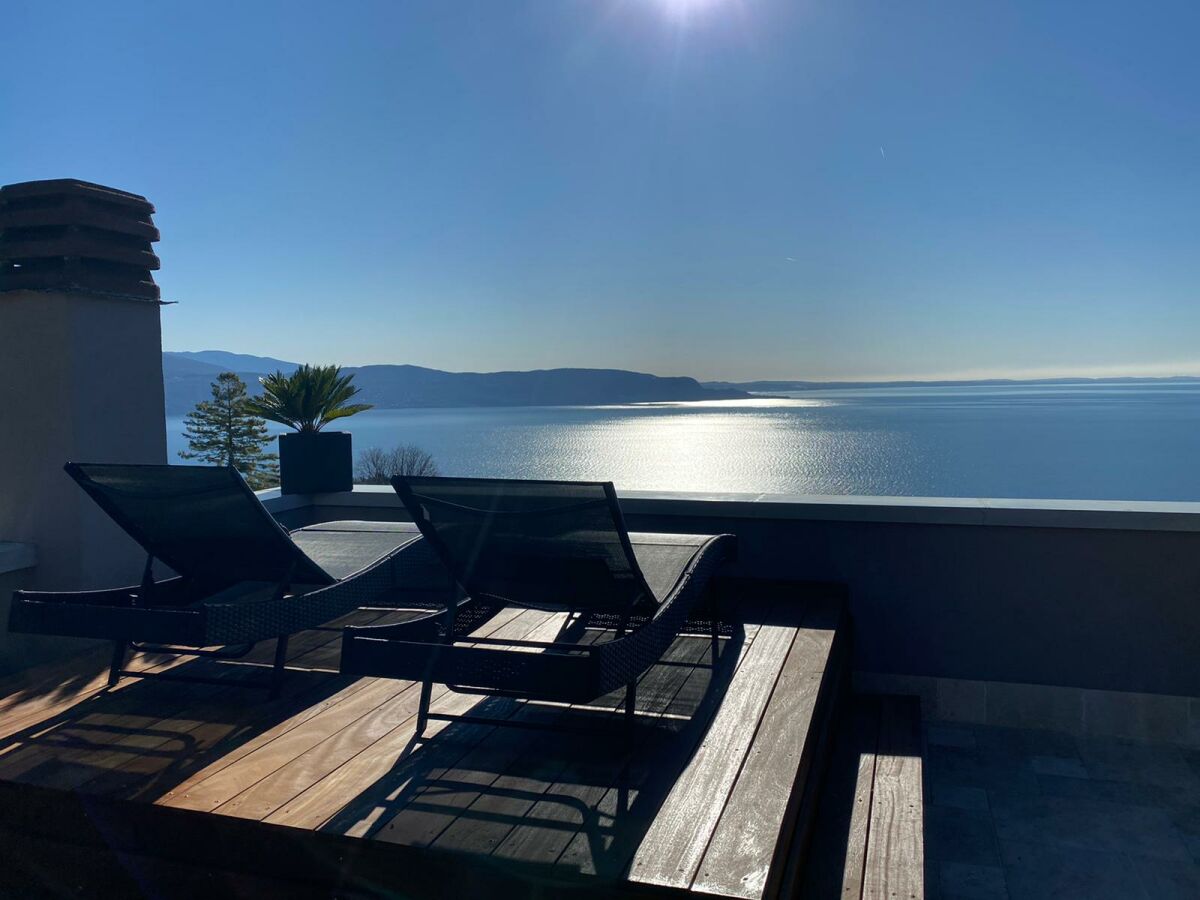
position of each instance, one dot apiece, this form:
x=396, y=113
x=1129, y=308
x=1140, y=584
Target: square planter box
x=315, y=462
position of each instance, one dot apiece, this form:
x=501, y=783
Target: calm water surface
x=1102, y=441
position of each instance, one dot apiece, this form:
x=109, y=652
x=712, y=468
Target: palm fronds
x=308, y=399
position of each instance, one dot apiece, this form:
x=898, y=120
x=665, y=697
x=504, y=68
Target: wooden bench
x=868, y=836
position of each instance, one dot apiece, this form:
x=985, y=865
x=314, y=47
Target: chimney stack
x=80, y=369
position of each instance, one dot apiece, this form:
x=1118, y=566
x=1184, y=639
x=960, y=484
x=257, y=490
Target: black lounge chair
x=548, y=545
x=240, y=577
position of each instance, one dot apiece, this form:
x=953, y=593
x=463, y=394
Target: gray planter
x=315, y=462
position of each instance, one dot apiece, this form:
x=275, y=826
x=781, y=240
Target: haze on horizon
x=727, y=189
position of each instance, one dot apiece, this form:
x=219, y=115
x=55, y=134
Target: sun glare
x=683, y=9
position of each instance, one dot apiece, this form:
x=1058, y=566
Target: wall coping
x=14, y=556
x=1118, y=515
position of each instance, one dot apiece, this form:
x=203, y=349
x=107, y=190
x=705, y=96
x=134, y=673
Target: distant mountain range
x=187, y=377
x=758, y=387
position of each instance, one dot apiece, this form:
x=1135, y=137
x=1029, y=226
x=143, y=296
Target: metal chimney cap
x=74, y=187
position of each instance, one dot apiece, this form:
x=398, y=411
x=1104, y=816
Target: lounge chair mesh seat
x=547, y=545
x=240, y=576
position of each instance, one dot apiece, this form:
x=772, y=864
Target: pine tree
x=224, y=431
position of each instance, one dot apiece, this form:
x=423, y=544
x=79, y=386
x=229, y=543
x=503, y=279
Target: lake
x=1116, y=441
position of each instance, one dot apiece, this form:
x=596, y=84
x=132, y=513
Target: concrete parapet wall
x=1100, y=596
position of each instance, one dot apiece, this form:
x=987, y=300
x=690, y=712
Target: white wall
x=80, y=380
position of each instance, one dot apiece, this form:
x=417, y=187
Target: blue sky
x=722, y=188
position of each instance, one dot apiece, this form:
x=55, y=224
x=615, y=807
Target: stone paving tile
x=960, y=835
x=1061, y=816
x=1000, y=743
x=1111, y=791
x=960, y=881
x=1089, y=824
x=951, y=736
x=1058, y=765
x=967, y=768
x=1024, y=743
x=960, y=796
x=1167, y=879
x=1034, y=871
x=1115, y=759
x=1186, y=819
x=1191, y=755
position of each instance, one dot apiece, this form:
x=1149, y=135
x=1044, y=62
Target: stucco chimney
x=80, y=369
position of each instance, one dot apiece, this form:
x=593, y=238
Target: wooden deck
x=166, y=789
x=868, y=837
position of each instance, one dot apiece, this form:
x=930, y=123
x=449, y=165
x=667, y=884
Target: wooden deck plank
x=672, y=848
x=297, y=775
x=394, y=790
x=233, y=755
x=218, y=788
x=461, y=806
x=215, y=789
x=45, y=706
x=354, y=791
x=125, y=730
x=397, y=714
x=744, y=841
x=895, y=858
x=551, y=823
x=58, y=734
x=637, y=789
x=839, y=847
x=510, y=783
x=511, y=797
x=339, y=760
x=94, y=685
x=467, y=756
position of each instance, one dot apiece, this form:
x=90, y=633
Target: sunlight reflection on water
x=1108, y=442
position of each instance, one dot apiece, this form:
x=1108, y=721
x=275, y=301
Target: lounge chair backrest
x=202, y=521
x=544, y=544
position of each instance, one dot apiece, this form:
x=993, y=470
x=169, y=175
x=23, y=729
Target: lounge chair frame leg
x=423, y=707
x=447, y=638
x=630, y=703
x=118, y=662
x=277, y=669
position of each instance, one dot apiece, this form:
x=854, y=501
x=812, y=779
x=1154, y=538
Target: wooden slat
x=311, y=861
x=355, y=782
x=42, y=707
x=552, y=822
x=672, y=848
x=220, y=787
x=85, y=677
x=397, y=715
x=510, y=798
x=231, y=756
x=895, y=859
x=229, y=716
x=101, y=744
x=416, y=812
x=665, y=810
x=637, y=788
x=743, y=844
x=839, y=846
x=215, y=789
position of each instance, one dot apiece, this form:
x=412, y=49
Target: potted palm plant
x=311, y=461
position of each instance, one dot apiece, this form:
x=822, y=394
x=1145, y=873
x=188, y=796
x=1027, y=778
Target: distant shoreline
x=759, y=386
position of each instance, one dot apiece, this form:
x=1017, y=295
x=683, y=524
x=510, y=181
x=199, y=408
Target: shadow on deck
x=169, y=789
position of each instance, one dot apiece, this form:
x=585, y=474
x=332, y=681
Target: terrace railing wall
x=1080, y=616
